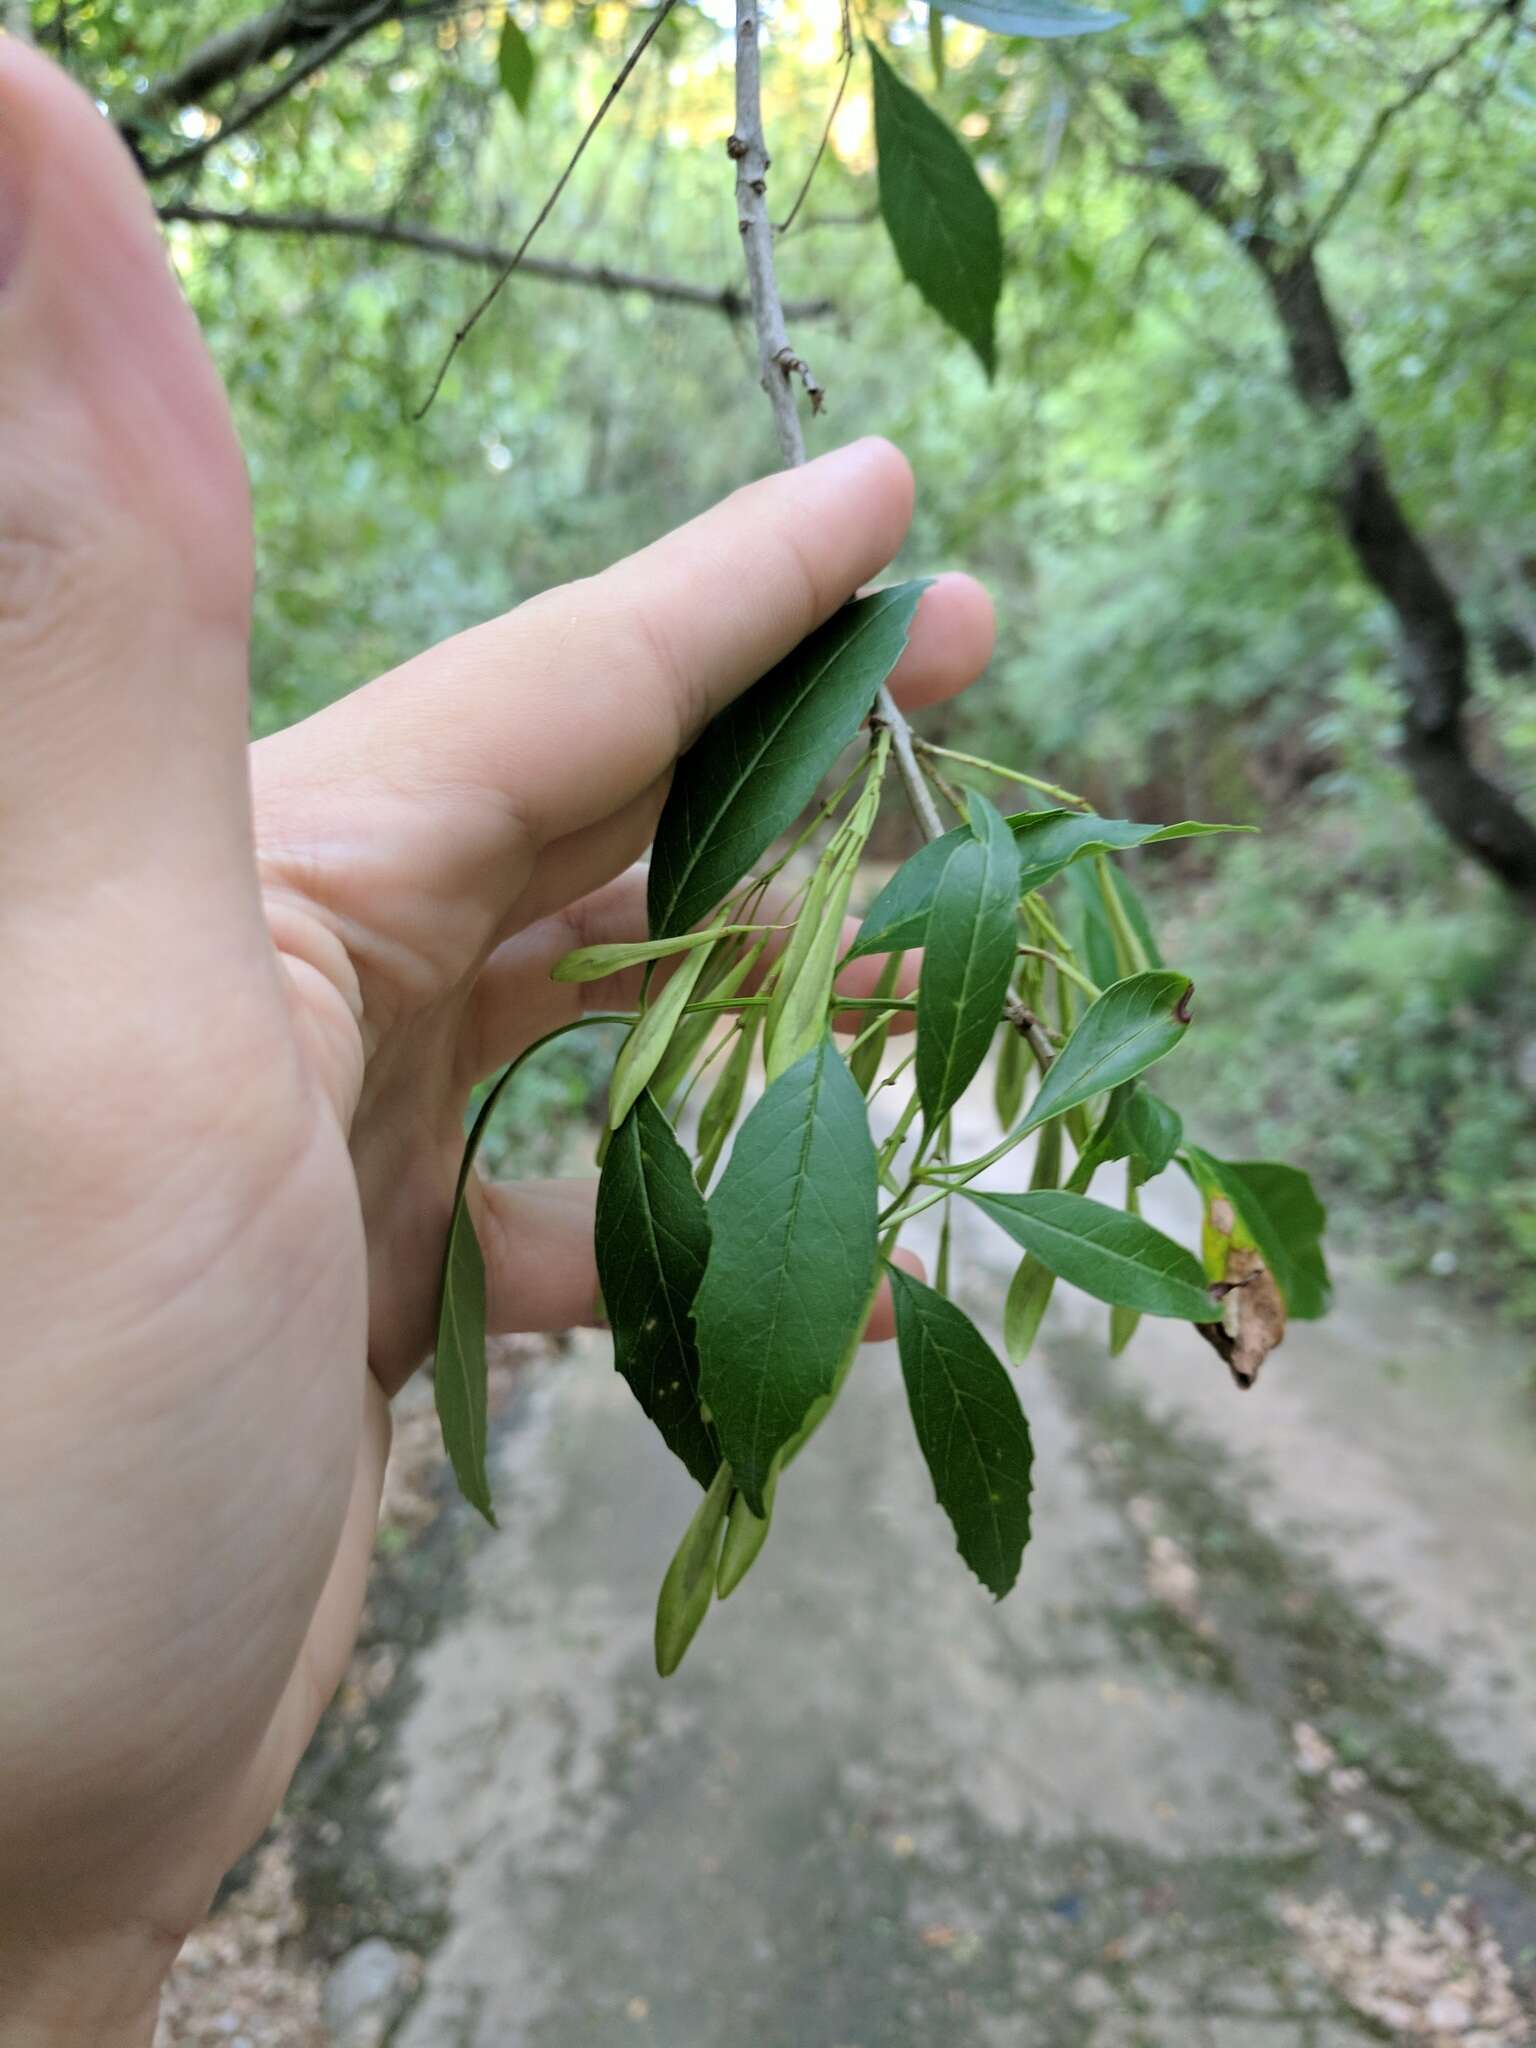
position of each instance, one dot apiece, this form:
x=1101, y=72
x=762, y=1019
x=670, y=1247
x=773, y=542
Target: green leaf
x=1124, y=1322
x=689, y=1585
x=1112, y=1256
x=1280, y=1210
x=718, y=1116
x=1096, y=934
x=1047, y=841
x=968, y=962
x=594, y=963
x=459, y=1377
x=1013, y=1065
x=1153, y=1130
x=1029, y=1295
x=1131, y=1025
x=516, y=64
x=1059, y=19
x=652, y=1242
x=791, y=1263
x=753, y=769
x=1052, y=840
x=970, y=1427
x=936, y=45
x=941, y=219
x=646, y=1046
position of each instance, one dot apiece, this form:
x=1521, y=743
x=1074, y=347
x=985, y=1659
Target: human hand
x=246, y=994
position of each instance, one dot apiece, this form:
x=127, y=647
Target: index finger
x=571, y=705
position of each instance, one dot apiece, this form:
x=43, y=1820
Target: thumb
x=124, y=530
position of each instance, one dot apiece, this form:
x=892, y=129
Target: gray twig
x=778, y=363
x=555, y=269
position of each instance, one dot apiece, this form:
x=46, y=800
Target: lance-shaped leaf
x=646, y=1046
x=652, y=1242
x=968, y=962
x=1132, y=1024
x=1030, y=1290
x=515, y=64
x=753, y=769
x=1281, y=1213
x=459, y=1375
x=1039, y=22
x=1047, y=842
x=1115, y=1257
x=1052, y=840
x=595, y=963
x=689, y=1585
x=941, y=219
x=971, y=1429
x=791, y=1262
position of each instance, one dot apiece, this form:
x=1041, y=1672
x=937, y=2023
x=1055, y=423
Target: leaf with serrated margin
x=1112, y=1256
x=970, y=1427
x=791, y=1262
x=754, y=769
x=652, y=1242
x=968, y=962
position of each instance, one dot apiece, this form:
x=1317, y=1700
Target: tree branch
x=1434, y=657
x=487, y=255
x=484, y=305
x=1349, y=184
x=341, y=37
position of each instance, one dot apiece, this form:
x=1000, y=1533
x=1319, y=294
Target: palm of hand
x=235, y=1086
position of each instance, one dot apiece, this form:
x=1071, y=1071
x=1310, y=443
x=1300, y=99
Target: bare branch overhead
x=486, y=255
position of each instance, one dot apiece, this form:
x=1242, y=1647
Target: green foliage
x=969, y=944
x=787, y=1287
x=1138, y=1021
x=754, y=769
x=942, y=220
x=1111, y=1255
x=970, y=1428
x=652, y=1244
x=515, y=63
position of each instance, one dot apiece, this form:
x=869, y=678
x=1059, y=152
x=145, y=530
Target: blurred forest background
x=1272, y=288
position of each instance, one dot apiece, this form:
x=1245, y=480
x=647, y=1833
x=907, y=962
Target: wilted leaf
x=1282, y=1218
x=753, y=769
x=971, y=1429
x=791, y=1264
x=941, y=219
x=652, y=1242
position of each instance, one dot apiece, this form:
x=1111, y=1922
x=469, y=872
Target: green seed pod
x=864, y=1061
x=745, y=1535
x=646, y=1046
x=689, y=1585
x=720, y=1111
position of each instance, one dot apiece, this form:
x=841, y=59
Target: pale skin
x=245, y=995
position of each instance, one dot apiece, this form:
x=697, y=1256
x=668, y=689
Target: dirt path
x=1248, y=1760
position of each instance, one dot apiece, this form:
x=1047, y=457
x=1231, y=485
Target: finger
x=534, y=726
x=541, y=1273
x=953, y=634
x=516, y=1003
x=124, y=550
